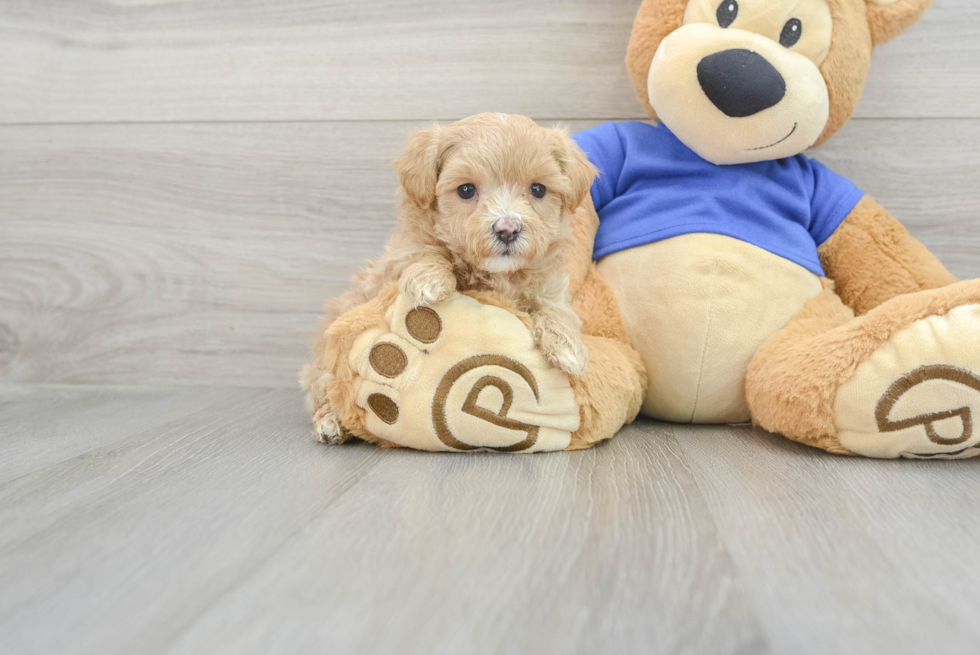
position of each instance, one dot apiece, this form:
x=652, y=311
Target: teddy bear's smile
x=773, y=145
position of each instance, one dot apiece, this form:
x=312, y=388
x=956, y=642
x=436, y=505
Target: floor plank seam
x=316, y=515
x=169, y=424
x=737, y=573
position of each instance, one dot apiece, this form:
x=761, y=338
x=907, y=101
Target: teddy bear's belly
x=697, y=307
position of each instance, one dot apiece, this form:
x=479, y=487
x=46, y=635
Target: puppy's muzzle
x=507, y=229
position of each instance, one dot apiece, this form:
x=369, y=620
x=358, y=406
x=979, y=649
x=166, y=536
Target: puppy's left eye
x=792, y=31
x=538, y=190
x=466, y=191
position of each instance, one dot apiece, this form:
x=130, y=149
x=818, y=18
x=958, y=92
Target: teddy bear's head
x=750, y=80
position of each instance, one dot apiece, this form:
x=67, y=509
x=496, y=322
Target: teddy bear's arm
x=872, y=258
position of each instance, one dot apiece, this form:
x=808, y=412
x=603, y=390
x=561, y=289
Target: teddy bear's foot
x=917, y=395
x=460, y=376
x=900, y=381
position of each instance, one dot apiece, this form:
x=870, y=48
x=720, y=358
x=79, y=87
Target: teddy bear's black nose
x=740, y=82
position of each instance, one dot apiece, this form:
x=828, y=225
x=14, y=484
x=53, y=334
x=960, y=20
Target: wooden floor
x=207, y=520
x=183, y=183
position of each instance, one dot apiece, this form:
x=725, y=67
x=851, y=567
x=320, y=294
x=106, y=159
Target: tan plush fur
x=872, y=258
x=794, y=378
x=610, y=393
x=335, y=390
x=889, y=18
x=858, y=27
x=654, y=21
x=446, y=242
x=846, y=67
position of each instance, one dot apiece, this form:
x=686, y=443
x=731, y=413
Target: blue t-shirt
x=653, y=187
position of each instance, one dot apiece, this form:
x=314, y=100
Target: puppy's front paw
x=428, y=288
x=328, y=430
x=565, y=351
x=572, y=360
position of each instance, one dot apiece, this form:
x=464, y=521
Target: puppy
x=487, y=203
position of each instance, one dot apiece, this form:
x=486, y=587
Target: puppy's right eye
x=466, y=191
x=727, y=12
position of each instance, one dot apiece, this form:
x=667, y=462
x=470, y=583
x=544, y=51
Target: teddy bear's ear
x=889, y=18
x=418, y=166
x=576, y=167
x=655, y=19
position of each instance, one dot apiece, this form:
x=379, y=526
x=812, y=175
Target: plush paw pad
x=461, y=376
x=918, y=396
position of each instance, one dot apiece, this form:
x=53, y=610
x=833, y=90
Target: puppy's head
x=496, y=189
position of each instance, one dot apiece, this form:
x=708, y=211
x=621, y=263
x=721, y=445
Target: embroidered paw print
x=461, y=376
x=949, y=428
x=918, y=395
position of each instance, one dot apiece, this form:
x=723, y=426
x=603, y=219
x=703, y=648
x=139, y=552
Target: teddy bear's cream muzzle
x=735, y=97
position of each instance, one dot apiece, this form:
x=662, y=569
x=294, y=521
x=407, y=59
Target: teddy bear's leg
x=611, y=391
x=902, y=380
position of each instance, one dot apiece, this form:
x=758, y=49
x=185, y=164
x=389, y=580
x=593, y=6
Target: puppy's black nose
x=507, y=230
x=740, y=82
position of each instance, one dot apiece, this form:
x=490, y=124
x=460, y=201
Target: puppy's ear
x=577, y=168
x=418, y=166
x=889, y=18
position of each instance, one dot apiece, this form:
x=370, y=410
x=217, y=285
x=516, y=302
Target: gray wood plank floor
x=222, y=527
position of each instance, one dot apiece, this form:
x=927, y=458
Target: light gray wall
x=183, y=184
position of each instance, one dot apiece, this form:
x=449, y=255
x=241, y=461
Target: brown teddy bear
x=754, y=283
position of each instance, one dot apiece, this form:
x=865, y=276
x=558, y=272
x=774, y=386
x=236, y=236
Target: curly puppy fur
x=447, y=242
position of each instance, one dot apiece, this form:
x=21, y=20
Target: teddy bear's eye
x=727, y=13
x=466, y=191
x=792, y=31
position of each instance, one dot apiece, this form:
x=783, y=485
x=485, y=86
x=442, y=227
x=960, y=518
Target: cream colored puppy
x=487, y=205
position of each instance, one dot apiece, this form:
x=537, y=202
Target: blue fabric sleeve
x=833, y=198
x=604, y=148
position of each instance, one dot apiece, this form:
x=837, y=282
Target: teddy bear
x=721, y=275
x=755, y=283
